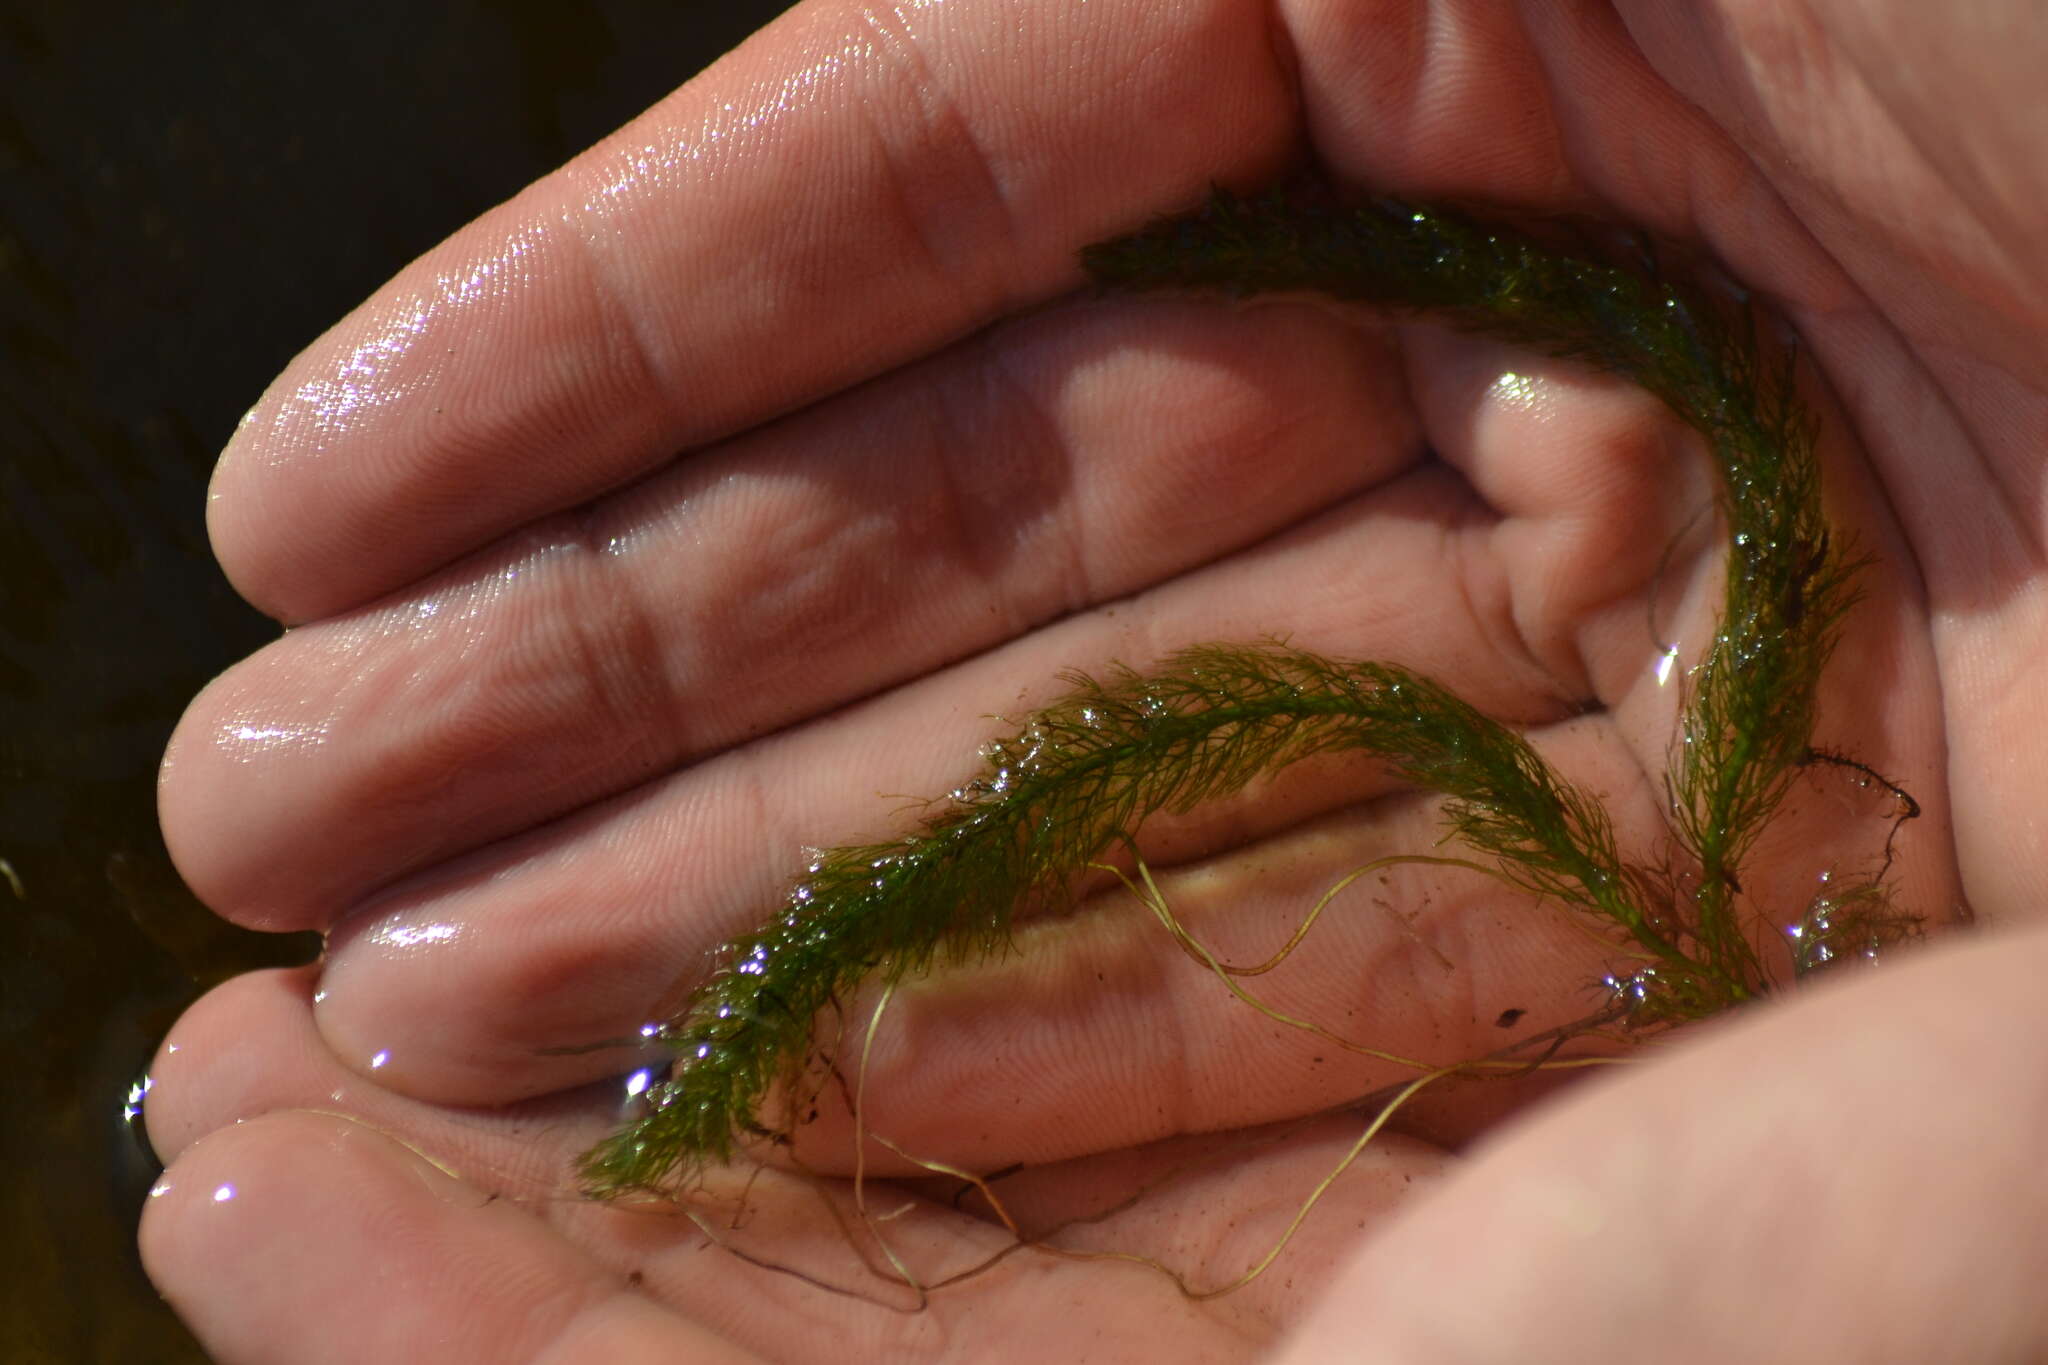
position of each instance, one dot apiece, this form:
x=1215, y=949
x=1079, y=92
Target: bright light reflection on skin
x=1517, y=390
x=260, y=732
x=223, y=1193
x=245, y=739
x=1665, y=662
x=374, y=374
x=414, y=935
x=381, y=1056
x=655, y=163
x=160, y=1189
x=357, y=383
x=637, y=1083
x=476, y=284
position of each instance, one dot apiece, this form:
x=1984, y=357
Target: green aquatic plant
x=1078, y=779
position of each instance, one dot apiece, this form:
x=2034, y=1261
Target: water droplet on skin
x=132, y=1109
x=137, y=1154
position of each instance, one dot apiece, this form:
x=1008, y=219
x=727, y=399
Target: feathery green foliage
x=1081, y=776
x=1788, y=581
x=1071, y=784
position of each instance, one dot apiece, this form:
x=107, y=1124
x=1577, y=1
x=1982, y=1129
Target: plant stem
x=1084, y=773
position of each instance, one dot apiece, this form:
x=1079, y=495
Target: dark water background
x=188, y=194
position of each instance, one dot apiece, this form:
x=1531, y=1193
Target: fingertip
x=484, y=383
x=447, y=1009
x=302, y=1237
x=271, y=1239
x=245, y=1047
x=235, y=738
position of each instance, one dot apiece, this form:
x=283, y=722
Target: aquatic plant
x=1078, y=779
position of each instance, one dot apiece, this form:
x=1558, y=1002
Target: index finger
x=851, y=188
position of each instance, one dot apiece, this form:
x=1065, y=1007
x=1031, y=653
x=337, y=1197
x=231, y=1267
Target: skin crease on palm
x=561, y=706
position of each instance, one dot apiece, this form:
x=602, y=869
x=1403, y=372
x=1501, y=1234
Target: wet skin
x=561, y=704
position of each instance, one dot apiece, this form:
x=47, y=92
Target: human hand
x=539, y=746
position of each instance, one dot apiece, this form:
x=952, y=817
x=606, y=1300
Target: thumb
x=1849, y=1177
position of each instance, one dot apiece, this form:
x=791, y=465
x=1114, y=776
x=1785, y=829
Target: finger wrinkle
x=967, y=186
x=624, y=672
x=641, y=370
